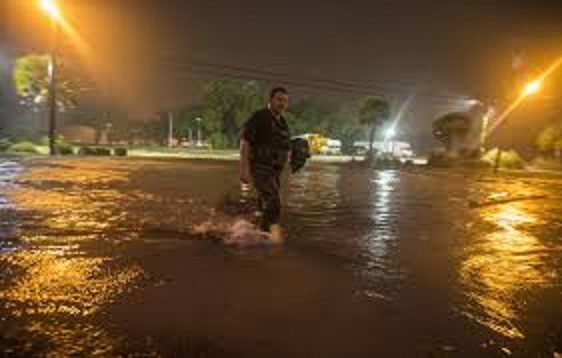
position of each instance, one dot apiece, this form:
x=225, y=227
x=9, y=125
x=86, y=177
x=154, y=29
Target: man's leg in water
x=269, y=202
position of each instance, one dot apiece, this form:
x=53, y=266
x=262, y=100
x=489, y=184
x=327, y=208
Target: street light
x=389, y=136
x=532, y=88
x=52, y=10
x=390, y=133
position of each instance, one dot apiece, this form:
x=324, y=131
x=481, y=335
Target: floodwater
x=102, y=257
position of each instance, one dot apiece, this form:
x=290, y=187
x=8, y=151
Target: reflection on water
x=54, y=281
x=399, y=236
x=51, y=281
x=351, y=215
x=503, y=266
x=385, y=216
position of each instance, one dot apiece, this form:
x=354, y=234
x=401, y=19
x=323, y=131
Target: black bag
x=300, y=152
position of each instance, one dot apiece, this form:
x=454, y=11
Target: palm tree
x=374, y=113
x=452, y=130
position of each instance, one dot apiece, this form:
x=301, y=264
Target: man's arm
x=244, y=161
x=247, y=137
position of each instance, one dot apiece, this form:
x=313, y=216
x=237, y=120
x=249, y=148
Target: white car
x=332, y=147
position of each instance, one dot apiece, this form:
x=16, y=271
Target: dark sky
x=155, y=55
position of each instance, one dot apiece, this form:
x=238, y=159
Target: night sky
x=153, y=55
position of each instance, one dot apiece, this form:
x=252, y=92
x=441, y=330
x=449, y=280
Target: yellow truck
x=321, y=145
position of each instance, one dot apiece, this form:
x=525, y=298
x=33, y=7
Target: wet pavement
x=101, y=257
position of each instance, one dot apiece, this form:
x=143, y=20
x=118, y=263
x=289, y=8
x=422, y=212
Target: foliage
x=185, y=123
x=374, y=113
x=549, y=140
x=508, y=159
x=97, y=151
x=219, y=141
x=227, y=104
x=547, y=164
x=62, y=147
x=4, y=144
x=120, y=152
x=31, y=81
x=23, y=147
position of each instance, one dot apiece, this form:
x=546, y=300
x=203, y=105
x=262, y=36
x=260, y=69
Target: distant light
x=390, y=133
x=472, y=102
x=532, y=88
x=50, y=69
x=51, y=9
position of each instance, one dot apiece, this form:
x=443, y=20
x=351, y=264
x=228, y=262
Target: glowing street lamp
x=51, y=9
x=532, y=88
x=389, y=135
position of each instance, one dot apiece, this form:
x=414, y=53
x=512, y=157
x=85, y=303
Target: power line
x=308, y=81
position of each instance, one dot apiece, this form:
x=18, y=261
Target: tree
x=185, y=123
x=338, y=122
x=309, y=116
x=227, y=104
x=374, y=113
x=31, y=81
x=452, y=130
x=549, y=140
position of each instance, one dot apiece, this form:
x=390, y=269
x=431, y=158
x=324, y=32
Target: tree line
x=226, y=104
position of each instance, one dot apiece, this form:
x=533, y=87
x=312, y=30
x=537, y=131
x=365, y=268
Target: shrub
x=97, y=151
x=120, y=152
x=5, y=144
x=64, y=149
x=104, y=152
x=508, y=159
x=23, y=147
x=86, y=151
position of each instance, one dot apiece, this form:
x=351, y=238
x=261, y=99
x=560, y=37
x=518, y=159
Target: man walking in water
x=264, y=151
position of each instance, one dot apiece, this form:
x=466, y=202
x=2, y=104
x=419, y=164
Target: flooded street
x=100, y=256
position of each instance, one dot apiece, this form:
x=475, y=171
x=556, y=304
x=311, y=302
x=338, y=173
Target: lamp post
x=52, y=11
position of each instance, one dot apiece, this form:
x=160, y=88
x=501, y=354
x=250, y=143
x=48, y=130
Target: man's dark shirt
x=269, y=140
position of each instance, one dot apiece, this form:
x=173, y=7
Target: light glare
x=51, y=9
x=532, y=88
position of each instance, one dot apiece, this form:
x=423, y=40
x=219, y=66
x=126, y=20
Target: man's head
x=278, y=100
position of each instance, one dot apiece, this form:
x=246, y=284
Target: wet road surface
x=99, y=256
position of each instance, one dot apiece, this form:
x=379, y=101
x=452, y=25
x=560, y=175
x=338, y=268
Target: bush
x=218, y=141
x=97, y=151
x=120, y=152
x=23, y=147
x=547, y=164
x=64, y=149
x=86, y=151
x=5, y=144
x=508, y=159
x=44, y=140
x=104, y=152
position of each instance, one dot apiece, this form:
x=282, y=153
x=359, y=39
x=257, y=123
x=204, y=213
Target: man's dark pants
x=267, y=185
